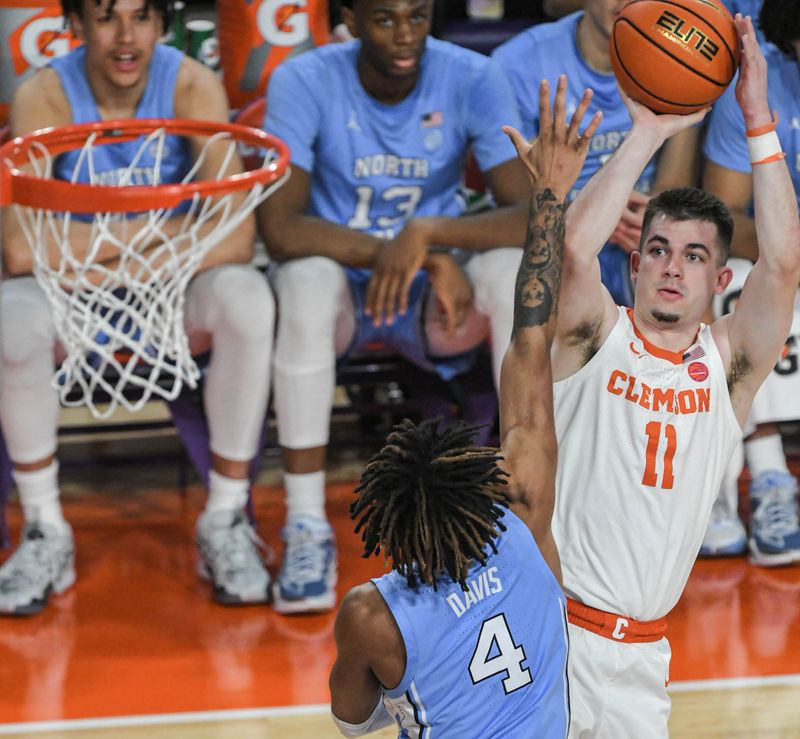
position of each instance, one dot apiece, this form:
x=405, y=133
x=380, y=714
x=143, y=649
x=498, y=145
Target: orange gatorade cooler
x=31, y=34
x=255, y=37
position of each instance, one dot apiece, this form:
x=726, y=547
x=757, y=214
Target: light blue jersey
x=374, y=167
x=112, y=161
x=747, y=7
x=488, y=662
x=725, y=142
x=548, y=50
x=545, y=52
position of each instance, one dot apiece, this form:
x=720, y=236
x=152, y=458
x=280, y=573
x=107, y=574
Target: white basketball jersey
x=644, y=437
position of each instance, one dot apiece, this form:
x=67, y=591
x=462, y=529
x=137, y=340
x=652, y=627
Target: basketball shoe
x=44, y=563
x=774, y=529
x=725, y=535
x=307, y=580
x=230, y=558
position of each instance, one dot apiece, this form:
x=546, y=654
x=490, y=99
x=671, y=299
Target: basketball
x=674, y=56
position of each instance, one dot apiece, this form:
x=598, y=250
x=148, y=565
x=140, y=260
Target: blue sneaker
x=307, y=580
x=725, y=535
x=774, y=528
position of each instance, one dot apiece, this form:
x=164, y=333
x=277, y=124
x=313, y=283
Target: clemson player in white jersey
x=649, y=402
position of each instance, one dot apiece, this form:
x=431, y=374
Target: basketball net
x=122, y=324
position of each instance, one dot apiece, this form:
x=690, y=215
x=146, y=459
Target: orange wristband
x=766, y=128
x=773, y=158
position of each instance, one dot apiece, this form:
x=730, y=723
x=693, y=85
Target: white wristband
x=765, y=146
x=380, y=718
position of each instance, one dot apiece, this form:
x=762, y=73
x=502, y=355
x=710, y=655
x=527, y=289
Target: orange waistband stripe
x=613, y=626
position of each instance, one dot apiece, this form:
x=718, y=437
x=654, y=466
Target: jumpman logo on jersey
x=352, y=122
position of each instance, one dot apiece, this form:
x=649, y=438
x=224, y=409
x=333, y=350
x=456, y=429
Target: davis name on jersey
x=497, y=668
x=478, y=588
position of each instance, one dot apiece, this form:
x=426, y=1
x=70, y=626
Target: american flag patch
x=694, y=354
x=429, y=120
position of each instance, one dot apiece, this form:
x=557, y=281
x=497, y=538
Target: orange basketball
x=674, y=56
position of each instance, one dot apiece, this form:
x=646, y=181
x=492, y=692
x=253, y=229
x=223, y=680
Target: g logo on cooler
x=279, y=28
x=41, y=38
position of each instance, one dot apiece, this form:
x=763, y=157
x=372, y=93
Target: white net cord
x=121, y=321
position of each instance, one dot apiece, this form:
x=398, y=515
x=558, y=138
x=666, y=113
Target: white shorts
x=778, y=399
x=617, y=690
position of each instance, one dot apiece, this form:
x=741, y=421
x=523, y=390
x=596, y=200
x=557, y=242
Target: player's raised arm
x=592, y=217
x=554, y=162
x=758, y=327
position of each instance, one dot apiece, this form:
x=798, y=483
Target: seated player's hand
x=556, y=157
x=393, y=271
x=628, y=232
x=452, y=288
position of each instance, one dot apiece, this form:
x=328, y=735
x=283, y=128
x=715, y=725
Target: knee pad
x=493, y=274
x=311, y=293
x=233, y=298
x=27, y=330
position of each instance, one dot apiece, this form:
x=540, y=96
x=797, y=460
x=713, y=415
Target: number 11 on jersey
x=663, y=465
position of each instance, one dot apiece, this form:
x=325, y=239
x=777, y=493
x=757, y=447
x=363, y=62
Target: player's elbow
x=279, y=244
x=275, y=235
x=17, y=262
x=785, y=262
x=240, y=245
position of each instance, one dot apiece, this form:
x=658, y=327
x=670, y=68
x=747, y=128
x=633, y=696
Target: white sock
x=764, y=454
x=305, y=495
x=39, y=496
x=226, y=493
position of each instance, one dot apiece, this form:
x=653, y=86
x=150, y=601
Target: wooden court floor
x=137, y=649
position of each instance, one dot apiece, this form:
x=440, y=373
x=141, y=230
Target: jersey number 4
x=496, y=653
x=650, y=477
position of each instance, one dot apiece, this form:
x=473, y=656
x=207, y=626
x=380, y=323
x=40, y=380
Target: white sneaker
x=725, y=535
x=230, y=558
x=307, y=580
x=43, y=563
x=774, y=525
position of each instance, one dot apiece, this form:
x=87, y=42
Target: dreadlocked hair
x=432, y=501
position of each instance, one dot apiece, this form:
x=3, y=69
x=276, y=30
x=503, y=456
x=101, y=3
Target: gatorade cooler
x=31, y=33
x=255, y=37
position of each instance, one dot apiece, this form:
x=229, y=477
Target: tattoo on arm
x=539, y=277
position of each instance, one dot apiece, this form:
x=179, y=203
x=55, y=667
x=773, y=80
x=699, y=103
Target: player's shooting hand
x=629, y=229
x=556, y=157
x=453, y=290
x=751, y=85
x=662, y=125
x=393, y=271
